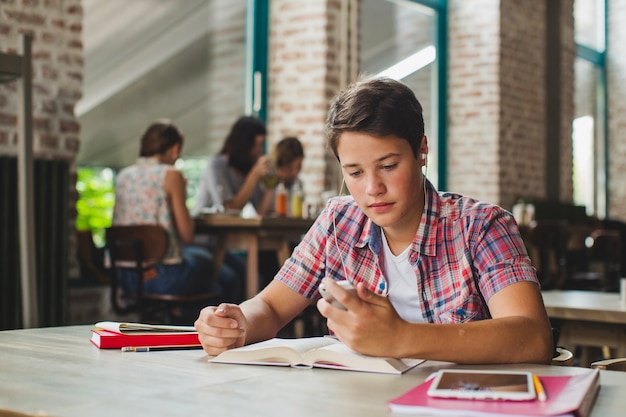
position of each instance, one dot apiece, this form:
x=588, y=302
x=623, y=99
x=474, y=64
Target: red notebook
x=568, y=395
x=105, y=339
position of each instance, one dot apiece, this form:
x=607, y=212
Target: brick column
x=496, y=102
x=303, y=76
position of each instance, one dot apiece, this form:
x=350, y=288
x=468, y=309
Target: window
x=589, y=125
x=405, y=40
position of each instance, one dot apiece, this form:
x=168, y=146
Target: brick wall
x=616, y=78
x=522, y=122
x=496, y=100
x=474, y=98
x=57, y=62
x=56, y=28
x=303, y=76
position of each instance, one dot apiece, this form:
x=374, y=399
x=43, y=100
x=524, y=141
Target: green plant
x=96, y=198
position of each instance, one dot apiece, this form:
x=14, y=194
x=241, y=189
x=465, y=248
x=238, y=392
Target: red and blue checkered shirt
x=463, y=253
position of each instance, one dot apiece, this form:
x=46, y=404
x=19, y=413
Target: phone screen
x=487, y=385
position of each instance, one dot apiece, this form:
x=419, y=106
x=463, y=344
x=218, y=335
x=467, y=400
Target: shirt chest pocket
x=469, y=309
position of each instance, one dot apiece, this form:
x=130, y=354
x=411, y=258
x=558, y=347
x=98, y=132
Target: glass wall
x=401, y=39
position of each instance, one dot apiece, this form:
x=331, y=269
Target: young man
x=438, y=276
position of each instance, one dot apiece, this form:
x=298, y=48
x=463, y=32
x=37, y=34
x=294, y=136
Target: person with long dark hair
x=232, y=178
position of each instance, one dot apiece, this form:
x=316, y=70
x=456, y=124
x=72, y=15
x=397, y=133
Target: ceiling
x=148, y=59
x=129, y=64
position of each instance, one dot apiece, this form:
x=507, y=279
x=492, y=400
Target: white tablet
x=483, y=385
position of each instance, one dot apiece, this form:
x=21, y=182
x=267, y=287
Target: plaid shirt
x=463, y=253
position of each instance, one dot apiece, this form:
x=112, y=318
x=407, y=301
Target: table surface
x=57, y=372
x=585, y=305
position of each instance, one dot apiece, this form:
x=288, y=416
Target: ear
x=424, y=145
x=424, y=151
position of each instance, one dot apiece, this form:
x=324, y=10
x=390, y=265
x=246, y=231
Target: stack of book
x=132, y=336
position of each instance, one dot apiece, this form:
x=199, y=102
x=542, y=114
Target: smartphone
x=345, y=284
x=483, y=385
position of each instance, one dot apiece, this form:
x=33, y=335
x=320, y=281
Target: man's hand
x=221, y=328
x=370, y=325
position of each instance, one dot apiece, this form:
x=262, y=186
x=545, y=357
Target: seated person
x=288, y=156
x=152, y=191
x=233, y=177
x=438, y=276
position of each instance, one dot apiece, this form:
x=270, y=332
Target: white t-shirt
x=402, y=285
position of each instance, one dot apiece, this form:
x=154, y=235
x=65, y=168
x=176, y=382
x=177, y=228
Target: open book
x=309, y=352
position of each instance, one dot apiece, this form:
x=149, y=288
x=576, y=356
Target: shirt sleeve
x=306, y=267
x=500, y=256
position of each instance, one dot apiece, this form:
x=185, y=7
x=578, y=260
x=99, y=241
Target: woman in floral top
x=152, y=191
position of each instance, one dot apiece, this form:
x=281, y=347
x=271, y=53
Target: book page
x=339, y=356
x=118, y=327
x=274, y=351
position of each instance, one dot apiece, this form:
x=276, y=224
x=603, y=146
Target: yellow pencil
x=541, y=393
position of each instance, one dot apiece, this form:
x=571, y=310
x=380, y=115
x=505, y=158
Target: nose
x=375, y=185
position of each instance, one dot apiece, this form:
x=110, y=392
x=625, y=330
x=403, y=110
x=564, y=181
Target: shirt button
x=382, y=286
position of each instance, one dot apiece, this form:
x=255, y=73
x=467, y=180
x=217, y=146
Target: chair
x=561, y=356
x=144, y=246
x=90, y=258
x=604, y=263
x=547, y=248
x=618, y=364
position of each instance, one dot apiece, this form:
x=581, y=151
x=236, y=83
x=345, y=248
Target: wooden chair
x=90, y=258
x=603, y=260
x=618, y=364
x=144, y=246
x=561, y=356
x=547, y=247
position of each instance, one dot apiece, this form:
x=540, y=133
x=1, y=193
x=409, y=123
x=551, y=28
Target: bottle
x=296, y=200
x=281, y=200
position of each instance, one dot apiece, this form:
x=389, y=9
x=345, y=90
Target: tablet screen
x=483, y=385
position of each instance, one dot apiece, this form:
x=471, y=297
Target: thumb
x=369, y=296
x=230, y=311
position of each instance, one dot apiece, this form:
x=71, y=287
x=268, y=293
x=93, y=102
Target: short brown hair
x=160, y=136
x=288, y=150
x=376, y=106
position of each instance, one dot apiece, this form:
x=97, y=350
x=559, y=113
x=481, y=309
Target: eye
x=389, y=167
x=355, y=173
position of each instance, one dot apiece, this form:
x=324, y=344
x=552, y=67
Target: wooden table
x=588, y=318
x=57, y=372
x=251, y=235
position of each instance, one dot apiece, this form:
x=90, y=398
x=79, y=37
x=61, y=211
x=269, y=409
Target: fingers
x=220, y=328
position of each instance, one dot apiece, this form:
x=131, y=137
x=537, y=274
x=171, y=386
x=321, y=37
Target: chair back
x=144, y=243
x=140, y=247
x=616, y=364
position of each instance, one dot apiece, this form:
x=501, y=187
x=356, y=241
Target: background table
x=252, y=235
x=58, y=372
x=588, y=318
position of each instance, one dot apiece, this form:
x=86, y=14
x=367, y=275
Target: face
x=257, y=150
x=384, y=178
x=289, y=172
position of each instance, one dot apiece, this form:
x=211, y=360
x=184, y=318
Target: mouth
x=380, y=206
